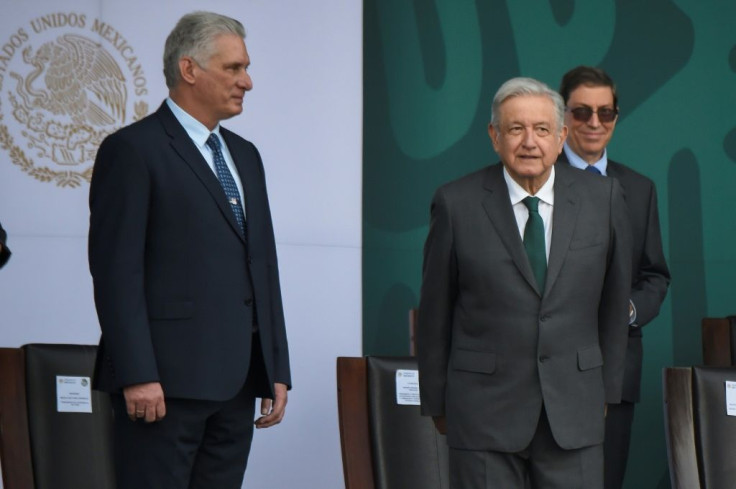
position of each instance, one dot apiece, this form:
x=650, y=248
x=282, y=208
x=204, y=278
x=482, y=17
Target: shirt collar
x=197, y=131
x=517, y=193
x=578, y=162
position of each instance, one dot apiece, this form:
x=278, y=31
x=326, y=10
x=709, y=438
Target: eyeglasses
x=583, y=114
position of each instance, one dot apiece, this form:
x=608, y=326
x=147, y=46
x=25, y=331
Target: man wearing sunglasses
x=591, y=111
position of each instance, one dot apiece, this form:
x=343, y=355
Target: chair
x=40, y=447
x=413, y=322
x=701, y=437
x=385, y=445
x=719, y=341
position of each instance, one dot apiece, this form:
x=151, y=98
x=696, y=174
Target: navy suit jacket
x=650, y=276
x=177, y=286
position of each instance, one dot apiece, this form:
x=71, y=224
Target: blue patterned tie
x=227, y=181
x=534, y=244
x=593, y=169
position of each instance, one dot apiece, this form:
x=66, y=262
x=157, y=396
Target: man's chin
x=233, y=112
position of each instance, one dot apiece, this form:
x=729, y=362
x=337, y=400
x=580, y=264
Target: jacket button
x=248, y=302
x=543, y=358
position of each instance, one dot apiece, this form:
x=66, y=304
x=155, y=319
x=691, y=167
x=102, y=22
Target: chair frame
x=718, y=342
x=15, y=445
x=352, y=401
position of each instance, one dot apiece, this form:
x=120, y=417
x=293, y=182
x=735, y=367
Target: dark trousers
x=542, y=465
x=198, y=444
x=619, y=419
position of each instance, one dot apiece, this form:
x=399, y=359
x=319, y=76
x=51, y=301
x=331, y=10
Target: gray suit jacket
x=492, y=348
x=650, y=276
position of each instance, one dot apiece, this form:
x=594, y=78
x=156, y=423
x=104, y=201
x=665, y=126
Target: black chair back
x=68, y=450
x=408, y=452
x=701, y=436
x=386, y=445
x=715, y=431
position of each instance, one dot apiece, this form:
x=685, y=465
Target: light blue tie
x=227, y=181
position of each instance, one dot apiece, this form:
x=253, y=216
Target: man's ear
x=563, y=137
x=493, y=134
x=187, y=67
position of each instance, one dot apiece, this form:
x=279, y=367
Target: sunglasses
x=583, y=114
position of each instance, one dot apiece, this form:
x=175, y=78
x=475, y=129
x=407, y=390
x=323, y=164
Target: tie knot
x=593, y=169
x=532, y=203
x=213, y=142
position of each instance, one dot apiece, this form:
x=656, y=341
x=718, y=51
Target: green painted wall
x=430, y=71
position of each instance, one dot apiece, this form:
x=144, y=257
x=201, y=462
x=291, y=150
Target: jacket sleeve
x=613, y=311
x=652, y=279
x=5, y=251
x=434, y=330
x=280, y=346
x=119, y=202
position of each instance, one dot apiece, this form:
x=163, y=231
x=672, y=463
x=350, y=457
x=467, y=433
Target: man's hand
x=273, y=410
x=145, y=401
x=439, y=423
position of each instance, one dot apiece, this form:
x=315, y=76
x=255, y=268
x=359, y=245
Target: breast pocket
x=588, y=241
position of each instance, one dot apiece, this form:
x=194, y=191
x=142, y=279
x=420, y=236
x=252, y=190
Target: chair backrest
x=715, y=430
x=386, y=445
x=701, y=436
x=719, y=341
x=15, y=444
x=64, y=450
x=680, y=428
x=352, y=408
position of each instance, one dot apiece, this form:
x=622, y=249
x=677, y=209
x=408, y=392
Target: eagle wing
x=99, y=74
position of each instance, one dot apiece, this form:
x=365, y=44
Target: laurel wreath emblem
x=62, y=178
x=70, y=95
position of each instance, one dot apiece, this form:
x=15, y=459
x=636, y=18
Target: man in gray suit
x=526, y=278
x=590, y=115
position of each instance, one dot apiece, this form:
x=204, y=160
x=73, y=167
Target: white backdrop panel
x=305, y=116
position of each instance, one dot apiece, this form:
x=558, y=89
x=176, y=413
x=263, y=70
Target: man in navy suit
x=590, y=114
x=183, y=259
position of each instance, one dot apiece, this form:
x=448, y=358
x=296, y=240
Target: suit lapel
x=497, y=205
x=185, y=148
x=564, y=216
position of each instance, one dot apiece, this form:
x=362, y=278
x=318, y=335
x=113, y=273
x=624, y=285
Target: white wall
x=305, y=116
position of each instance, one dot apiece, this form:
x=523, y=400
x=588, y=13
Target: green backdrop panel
x=431, y=68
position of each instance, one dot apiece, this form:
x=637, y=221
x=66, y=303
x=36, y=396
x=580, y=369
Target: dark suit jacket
x=5, y=252
x=492, y=348
x=650, y=275
x=176, y=284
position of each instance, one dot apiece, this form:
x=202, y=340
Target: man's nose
x=246, y=81
x=529, y=140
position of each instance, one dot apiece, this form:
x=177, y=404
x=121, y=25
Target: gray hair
x=193, y=36
x=521, y=86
